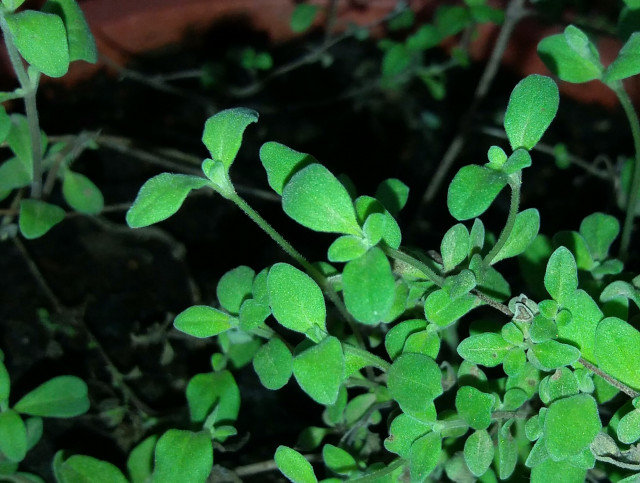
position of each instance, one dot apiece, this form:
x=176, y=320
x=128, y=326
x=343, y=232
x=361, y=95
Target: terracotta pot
x=126, y=28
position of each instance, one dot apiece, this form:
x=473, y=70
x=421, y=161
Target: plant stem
x=320, y=279
x=378, y=475
x=614, y=382
x=372, y=359
x=514, y=183
x=415, y=263
x=513, y=14
x=632, y=201
x=29, y=92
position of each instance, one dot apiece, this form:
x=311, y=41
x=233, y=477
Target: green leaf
x=426, y=37
x=403, y=20
x=474, y=406
x=395, y=61
x=532, y=106
x=617, y=344
x=472, y=191
x=219, y=388
x=561, y=472
x=13, y=436
x=320, y=370
x=487, y=349
x=202, y=321
x=19, y=141
x=581, y=330
x=403, y=431
x=518, y=160
x=424, y=456
x=396, y=337
x=223, y=133
x=552, y=354
x=60, y=397
x=160, y=197
x=85, y=469
x=560, y=384
x=599, y=231
x=514, y=361
x=303, y=16
x=140, y=460
x=183, y=456
x=524, y=231
x=81, y=194
x=414, y=380
x=478, y=452
x=34, y=431
x=570, y=426
x=455, y=246
x=42, y=40
x=296, y=301
x=294, y=466
x=393, y=194
x=38, y=217
x=451, y=20
x=424, y=342
x=628, y=429
x=497, y=157
x=12, y=4
x=442, y=309
x=571, y=56
x=252, y=314
x=577, y=245
x=507, y=451
x=346, y=248
x=5, y=383
x=235, y=287
x=316, y=199
x=627, y=62
x=281, y=162
x=561, y=276
x=274, y=364
x=369, y=287
x=82, y=45
x=14, y=174
x=338, y=460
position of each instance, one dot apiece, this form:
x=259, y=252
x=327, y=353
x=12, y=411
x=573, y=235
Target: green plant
x=60, y=397
x=562, y=358
x=48, y=40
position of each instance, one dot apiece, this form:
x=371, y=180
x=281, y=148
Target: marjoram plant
x=371, y=335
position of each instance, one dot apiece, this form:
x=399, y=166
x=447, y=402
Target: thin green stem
x=372, y=359
x=320, y=279
x=415, y=263
x=378, y=475
x=634, y=193
x=29, y=92
x=514, y=183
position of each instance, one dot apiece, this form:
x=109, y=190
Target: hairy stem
x=320, y=279
x=29, y=93
x=378, y=475
x=514, y=183
x=372, y=359
x=614, y=382
x=415, y=263
x=634, y=193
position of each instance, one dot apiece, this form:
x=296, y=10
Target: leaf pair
x=50, y=39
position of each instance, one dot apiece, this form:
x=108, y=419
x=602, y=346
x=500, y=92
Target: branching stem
x=320, y=279
x=614, y=382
